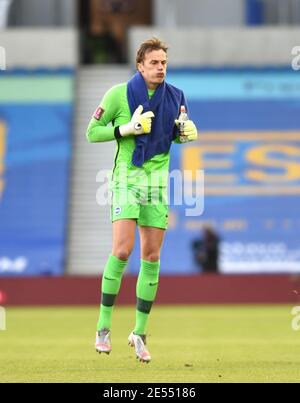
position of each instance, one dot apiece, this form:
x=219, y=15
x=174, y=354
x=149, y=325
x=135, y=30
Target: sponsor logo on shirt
x=98, y=113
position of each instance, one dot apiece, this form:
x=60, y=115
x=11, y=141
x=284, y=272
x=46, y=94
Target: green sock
x=111, y=282
x=146, y=289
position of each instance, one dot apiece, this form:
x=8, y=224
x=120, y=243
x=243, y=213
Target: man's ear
x=140, y=67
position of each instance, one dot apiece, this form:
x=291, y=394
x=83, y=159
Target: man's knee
x=151, y=257
x=122, y=253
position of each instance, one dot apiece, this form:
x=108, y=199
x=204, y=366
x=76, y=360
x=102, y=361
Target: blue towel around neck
x=165, y=104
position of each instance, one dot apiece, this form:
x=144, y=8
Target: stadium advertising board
x=249, y=150
x=35, y=138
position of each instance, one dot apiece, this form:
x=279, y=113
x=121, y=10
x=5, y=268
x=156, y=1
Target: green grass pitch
x=187, y=343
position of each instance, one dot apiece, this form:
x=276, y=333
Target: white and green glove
x=140, y=123
x=190, y=132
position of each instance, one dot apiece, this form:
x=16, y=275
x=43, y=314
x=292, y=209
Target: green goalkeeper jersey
x=114, y=109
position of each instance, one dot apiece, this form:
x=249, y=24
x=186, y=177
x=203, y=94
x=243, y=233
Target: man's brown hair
x=149, y=45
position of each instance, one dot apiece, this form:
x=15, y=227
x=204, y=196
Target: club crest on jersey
x=118, y=210
x=98, y=113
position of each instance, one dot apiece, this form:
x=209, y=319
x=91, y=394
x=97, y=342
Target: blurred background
x=233, y=59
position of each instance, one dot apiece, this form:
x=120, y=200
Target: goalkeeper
x=143, y=113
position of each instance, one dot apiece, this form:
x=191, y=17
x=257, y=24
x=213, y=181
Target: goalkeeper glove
x=189, y=130
x=140, y=123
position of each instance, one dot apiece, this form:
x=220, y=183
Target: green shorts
x=148, y=206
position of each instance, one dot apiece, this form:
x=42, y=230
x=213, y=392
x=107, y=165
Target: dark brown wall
x=117, y=16
x=198, y=289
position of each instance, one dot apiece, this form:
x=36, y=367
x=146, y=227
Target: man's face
x=154, y=67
